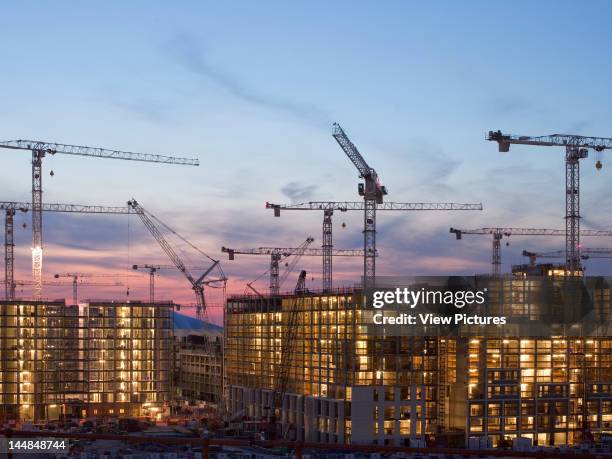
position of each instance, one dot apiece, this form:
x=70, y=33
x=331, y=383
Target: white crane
x=39, y=151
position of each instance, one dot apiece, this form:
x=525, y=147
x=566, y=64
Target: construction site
x=297, y=363
x=304, y=366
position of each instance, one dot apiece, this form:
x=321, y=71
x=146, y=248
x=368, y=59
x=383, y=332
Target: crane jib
x=78, y=150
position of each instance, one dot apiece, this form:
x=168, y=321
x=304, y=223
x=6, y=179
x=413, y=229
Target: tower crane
x=576, y=148
x=499, y=233
x=276, y=255
x=373, y=192
x=328, y=208
x=75, y=281
x=585, y=254
x=152, y=271
x=196, y=284
x=11, y=208
x=279, y=253
x=599, y=252
x=62, y=284
x=41, y=149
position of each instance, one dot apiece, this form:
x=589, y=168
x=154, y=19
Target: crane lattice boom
x=79, y=150
x=197, y=284
x=585, y=254
x=161, y=240
x=286, y=251
x=365, y=171
x=526, y=232
x=344, y=206
x=554, y=140
x=501, y=232
x=74, y=208
x=11, y=207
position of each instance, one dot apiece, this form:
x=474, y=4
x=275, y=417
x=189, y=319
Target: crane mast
x=500, y=232
x=372, y=192
x=196, y=284
x=37, y=239
x=328, y=247
x=9, y=255
x=152, y=270
x=329, y=207
x=576, y=148
x=10, y=208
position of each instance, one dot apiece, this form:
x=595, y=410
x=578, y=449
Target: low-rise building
x=200, y=368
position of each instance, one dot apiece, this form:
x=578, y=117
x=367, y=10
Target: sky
x=252, y=89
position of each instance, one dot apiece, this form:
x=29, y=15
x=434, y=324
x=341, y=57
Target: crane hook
x=598, y=164
x=51, y=173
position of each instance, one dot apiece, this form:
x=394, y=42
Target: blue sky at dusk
x=252, y=88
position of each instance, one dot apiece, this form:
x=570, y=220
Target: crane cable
x=187, y=242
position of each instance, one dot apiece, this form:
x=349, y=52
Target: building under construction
x=342, y=386
x=307, y=364
x=200, y=368
x=95, y=359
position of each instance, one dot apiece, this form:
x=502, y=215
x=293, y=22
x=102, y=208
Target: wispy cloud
x=431, y=177
x=146, y=109
x=297, y=191
x=186, y=50
x=578, y=127
x=510, y=105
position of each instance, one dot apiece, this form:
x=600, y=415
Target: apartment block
x=39, y=371
x=548, y=377
x=127, y=362
x=311, y=365
x=96, y=359
x=342, y=385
